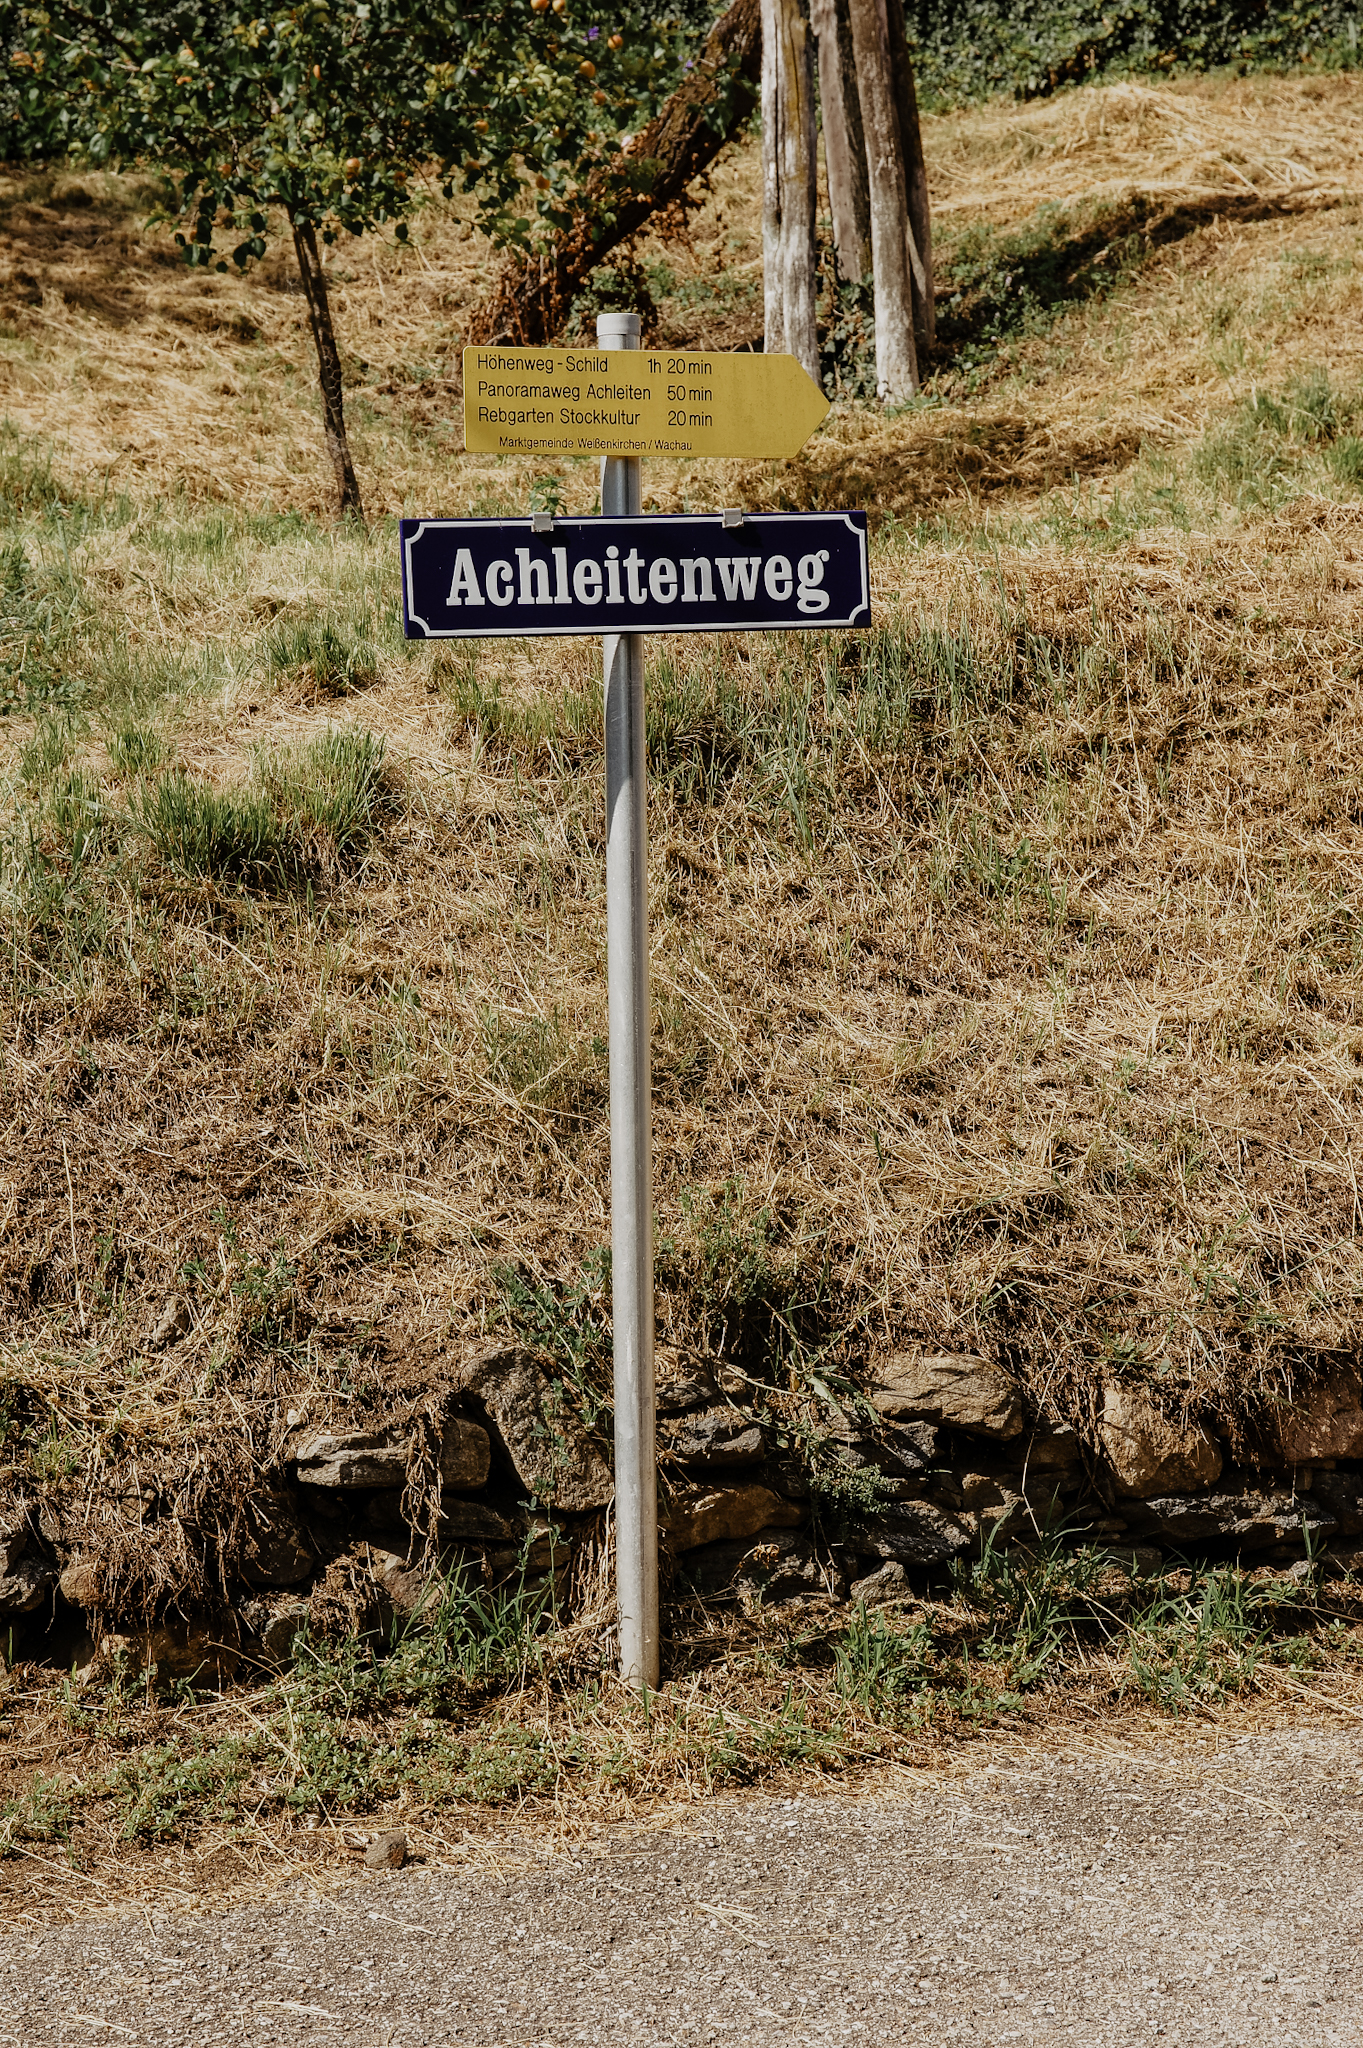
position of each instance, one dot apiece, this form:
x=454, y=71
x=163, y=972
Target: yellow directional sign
x=554, y=401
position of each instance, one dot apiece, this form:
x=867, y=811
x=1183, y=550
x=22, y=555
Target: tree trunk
x=789, y=183
x=532, y=296
x=896, y=356
x=328, y=365
x=844, y=144
x=915, y=177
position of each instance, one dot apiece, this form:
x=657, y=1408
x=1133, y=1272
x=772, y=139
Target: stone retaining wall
x=502, y=1477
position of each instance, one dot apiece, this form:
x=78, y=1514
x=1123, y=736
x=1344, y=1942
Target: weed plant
x=484, y=1699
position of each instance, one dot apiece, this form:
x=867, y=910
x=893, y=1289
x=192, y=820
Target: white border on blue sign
x=825, y=625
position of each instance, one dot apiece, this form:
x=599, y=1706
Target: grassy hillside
x=1006, y=957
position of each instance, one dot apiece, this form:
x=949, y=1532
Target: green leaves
x=345, y=116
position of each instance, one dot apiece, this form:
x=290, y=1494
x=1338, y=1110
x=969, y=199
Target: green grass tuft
x=216, y=835
x=308, y=813
x=324, y=655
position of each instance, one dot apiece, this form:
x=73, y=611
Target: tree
x=877, y=180
x=329, y=112
x=788, y=182
x=533, y=293
x=896, y=356
x=844, y=143
x=30, y=115
x=919, y=222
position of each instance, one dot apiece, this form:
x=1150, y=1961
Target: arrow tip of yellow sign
x=803, y=394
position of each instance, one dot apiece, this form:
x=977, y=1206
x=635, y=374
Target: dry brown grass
x=206, y=385
x=1037, y=1031
x=1228, y=136
x=1005, y=961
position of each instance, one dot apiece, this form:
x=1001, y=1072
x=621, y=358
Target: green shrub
x=328, y=795
x=135, y=749
x=969, y=49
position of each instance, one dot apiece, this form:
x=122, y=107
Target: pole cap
x=610, y=324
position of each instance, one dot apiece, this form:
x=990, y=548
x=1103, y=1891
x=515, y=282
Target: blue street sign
x=704, y=572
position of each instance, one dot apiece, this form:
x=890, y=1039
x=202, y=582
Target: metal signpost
x=622, y=575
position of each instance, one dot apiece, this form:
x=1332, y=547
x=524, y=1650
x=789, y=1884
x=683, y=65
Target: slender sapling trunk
x=328, y=365
x=915, y=178
x=844, y=144
x=896, y=356
x=789, y=183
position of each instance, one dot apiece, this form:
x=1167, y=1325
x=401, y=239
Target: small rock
x=511, y=1568
x=386, y=1852
x=720, y=1441
x=914, y=1532
x=959, y=1391
x=382, y=1517
x=699, y=1515
x=782, y=1565
x=82, y=1582
x=276, y=1553
x=1142, y=1560
x=778, y=1565
x=896, y=1452
x=1253, y=1521
x=556, y=1458
x=784, y=1475
x=26, y=1576
x=204, y=1652
x=878, y=1589
x=1049, y=1449
x=277, y=1625
x=358, y=1458
x=684, y=1391
x=348, y=1600
x=411, y=1591
x=922, y=1439
x=1150, y=1454
x=978, y=1490
x=1325, y=1421
x=471, y=1521
x=1011, y=1514
x=465, y=1456
x=172, y=1323
x=546, y=1547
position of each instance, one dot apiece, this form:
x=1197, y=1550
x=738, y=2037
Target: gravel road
x=1103, y=1896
